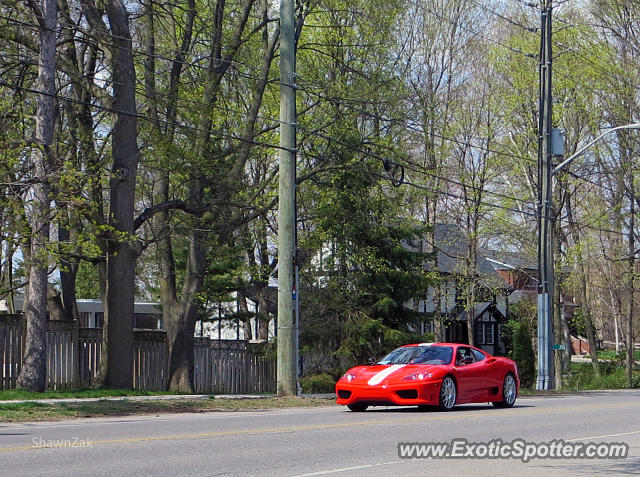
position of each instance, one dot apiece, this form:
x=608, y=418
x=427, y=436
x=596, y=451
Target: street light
x=568, y=161
x=545, y=237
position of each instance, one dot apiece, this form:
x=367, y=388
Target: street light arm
x=569, y=160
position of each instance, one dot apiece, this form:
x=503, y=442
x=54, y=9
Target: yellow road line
x=273, y=430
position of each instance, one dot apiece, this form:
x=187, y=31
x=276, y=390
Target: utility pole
x=287, y=293
x=545, y=379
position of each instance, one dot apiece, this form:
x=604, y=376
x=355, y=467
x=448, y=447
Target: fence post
x=75, y=355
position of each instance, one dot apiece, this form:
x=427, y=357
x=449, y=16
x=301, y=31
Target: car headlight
x=348, y=377
x=417, y=377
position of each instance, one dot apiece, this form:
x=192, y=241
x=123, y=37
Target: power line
x=479, y=35
x=423, y=171
x=77, y=28
x=507, y=19
x=203, y=133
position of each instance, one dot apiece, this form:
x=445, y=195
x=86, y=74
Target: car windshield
x=419, y=355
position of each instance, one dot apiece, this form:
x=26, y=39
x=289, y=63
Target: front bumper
x=402, y=394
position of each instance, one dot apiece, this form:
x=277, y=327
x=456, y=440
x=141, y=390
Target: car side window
x=477, y=355
x=464, y=356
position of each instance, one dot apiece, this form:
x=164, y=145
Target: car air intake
x=408, y=393
x=342, y=394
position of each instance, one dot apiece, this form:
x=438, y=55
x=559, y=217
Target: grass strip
x=14, y=394
x=35, y=411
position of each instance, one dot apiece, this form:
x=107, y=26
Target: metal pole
x=545, y=379
x=287, y=349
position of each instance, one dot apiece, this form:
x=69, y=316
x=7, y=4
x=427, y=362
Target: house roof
x=503, y=260
x=451, y=246
x=479, y=309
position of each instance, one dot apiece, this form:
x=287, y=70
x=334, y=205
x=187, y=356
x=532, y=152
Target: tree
x=370, y=267
x=523, y=354
x=33, y=372
x=213, y=197
x=122, y=249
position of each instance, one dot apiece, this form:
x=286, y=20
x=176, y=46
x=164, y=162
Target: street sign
x=560, y=346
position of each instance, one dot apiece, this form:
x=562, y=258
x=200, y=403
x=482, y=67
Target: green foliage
x=578, y=324
x=612, y=376
x=619, y=357
x=363, y=269
x=318, y=383
x=523, y=313
x=88, y=281
x=371, y=270
x=365, y=337
x=523, y=353
x=14, y=394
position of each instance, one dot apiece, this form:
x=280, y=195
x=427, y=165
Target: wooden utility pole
x=287, y=326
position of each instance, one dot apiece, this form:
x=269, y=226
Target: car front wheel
x=509, y=392
x=357, y=407
x=448, y=394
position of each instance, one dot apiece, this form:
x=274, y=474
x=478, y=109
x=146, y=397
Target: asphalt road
x=325, y=441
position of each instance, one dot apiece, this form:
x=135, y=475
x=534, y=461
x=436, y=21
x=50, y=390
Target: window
x=85, y=319
x=426, y=327
x=485, y=330
x=477, y=355
x=419, y=354
x=464, y=356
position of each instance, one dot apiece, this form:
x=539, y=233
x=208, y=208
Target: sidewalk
x=581, y=358
x=160, y=397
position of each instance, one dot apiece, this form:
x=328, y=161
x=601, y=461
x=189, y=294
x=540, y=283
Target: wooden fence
x=73, y=360
x=11, y=336
x=230, y=367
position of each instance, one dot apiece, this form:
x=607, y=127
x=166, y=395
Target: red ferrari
x=431, y=374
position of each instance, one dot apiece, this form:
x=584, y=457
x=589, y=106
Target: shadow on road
x=414, y=409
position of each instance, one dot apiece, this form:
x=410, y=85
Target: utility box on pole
x=557, y=142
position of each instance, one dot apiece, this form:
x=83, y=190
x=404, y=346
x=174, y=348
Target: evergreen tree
x=523, y=355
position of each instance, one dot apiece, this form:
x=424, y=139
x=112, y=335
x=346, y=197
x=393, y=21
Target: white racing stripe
x=381, y=376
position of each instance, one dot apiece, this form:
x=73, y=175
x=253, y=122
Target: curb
x=162, y=397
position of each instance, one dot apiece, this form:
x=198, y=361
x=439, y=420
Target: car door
x=493, y=370
x=470, y=373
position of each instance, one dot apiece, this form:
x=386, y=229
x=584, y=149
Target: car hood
x=382, y=373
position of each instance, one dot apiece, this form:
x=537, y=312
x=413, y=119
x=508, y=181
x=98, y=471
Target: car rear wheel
x=357, y=407
x=509, y=392
x=448, y=394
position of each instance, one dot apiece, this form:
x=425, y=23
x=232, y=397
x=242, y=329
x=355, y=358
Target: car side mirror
x=372, y=361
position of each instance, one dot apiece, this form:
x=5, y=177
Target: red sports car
x=431, y=374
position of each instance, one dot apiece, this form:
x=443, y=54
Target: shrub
x=523, y=355
x=317, y=383
x=611, y=377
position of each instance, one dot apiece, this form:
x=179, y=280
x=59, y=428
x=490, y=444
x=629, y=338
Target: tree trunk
x=630, y=285
x=558, y=335
x=245, y=316
x=180, y=331
x=121, y=250
x=181, y=328
x=68, y=270
x=471, y=272
x=582, y=279
x=34, y=367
